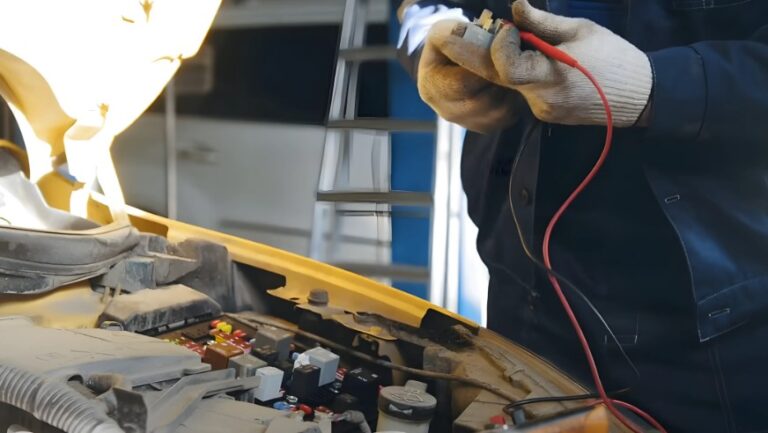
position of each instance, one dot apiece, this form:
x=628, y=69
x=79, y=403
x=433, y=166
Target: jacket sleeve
x=712, y=91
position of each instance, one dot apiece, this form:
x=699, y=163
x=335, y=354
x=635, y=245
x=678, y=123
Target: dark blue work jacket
x=678, y=220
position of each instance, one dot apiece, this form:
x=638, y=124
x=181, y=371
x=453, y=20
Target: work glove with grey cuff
x=557, y=93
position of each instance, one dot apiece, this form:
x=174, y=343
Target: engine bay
x=144, y=368
x=158, y=326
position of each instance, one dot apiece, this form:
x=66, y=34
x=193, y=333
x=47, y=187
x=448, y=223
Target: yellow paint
x=74, y=306
x=347, y=290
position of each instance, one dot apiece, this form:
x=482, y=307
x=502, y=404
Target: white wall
x=263, y=13
x=251, y=179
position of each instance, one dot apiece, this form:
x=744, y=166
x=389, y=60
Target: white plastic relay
x=269, y=387
x=325, y=360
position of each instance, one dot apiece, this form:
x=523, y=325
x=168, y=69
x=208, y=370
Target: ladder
x=334, y=192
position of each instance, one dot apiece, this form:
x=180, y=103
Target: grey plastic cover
x=65, y=353
x=42, y=248
x=152, y=308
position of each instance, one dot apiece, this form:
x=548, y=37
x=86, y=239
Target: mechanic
x=670, y=241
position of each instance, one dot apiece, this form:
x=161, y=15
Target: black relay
x=363, y=384
x=305, y=382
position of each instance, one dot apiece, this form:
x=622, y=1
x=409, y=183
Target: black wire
x=552, y=272
x=250, y=319
x=553, y=399
x=556, y=399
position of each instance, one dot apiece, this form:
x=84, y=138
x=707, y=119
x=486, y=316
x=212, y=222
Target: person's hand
x=558, y=93
x=459, y=95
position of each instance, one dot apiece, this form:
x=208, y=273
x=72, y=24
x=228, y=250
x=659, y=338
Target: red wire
x=647, y=417
x=609, y=403
x=563, y=57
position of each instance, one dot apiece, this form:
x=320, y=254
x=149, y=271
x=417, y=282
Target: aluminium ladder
x=334, y=190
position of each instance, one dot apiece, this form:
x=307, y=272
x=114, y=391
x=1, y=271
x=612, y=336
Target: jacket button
x=525, y=197
x=533, y=298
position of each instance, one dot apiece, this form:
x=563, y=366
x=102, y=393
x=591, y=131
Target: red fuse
x=340, y=373
x=498, y=420
x=306, y=409
x=196, y=348
x=309, y=413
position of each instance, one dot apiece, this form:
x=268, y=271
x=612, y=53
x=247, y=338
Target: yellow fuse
x=224, y=327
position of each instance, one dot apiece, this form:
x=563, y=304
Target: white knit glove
x=558, y=93
x=459, y=95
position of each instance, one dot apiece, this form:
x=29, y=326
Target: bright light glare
x=77, y=73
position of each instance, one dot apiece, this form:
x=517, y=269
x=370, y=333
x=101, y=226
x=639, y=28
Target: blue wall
x=413, y=158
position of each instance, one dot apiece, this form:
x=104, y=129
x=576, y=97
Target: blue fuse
x=281, y=405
